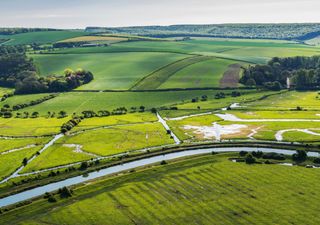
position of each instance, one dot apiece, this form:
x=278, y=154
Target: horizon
x=78, y=14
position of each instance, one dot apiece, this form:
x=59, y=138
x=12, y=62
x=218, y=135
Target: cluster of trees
x=7, y=112
x=261, y=31
x=35, y=84
x=299, y=156
x=70, y=124
x=19, y=72
x=304, y=73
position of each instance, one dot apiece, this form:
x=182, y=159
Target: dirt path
x=231, y=77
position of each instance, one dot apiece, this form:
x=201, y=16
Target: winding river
x=25, y=195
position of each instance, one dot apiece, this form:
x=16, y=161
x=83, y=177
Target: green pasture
x=244, y=114
x=56, y=155
x=79, y=101
x=41, y=37
x=10, y=144
x=30, y=127
x=12, y=161
x=111, y=71
x=21, y=99
x=131, y=118
x=114, y=140
x=288, y=100
x=202, y=190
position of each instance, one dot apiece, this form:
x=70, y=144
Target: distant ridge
x=284, y=31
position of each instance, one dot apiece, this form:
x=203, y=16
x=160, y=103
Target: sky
x=112, y=13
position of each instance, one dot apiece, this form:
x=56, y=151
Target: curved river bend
x=130, y=165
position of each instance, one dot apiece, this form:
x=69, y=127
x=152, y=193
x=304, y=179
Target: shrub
x=250, y=159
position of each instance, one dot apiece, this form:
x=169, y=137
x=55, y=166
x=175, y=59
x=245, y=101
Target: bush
x=316, y=161
x=163, y=162
x=250, y=160
x=273, y=155
x=243, y=153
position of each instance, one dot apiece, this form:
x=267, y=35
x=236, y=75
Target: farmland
x=150, y=97
x=216, y=191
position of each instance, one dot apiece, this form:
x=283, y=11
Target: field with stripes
x=202, y=190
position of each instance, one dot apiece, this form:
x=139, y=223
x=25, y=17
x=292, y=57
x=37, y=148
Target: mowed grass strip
x=203, y=190
x=155, y=79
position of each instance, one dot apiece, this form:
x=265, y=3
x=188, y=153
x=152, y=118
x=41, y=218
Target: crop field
x=202, y=74
x=20, y=99
x=111, y=71
x=202, y=190
x=156, y=79
x=41, y=37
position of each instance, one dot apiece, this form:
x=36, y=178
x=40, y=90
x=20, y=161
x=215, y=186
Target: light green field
x=295, y=136
x=78, y=102
x=114, y=140
x=245, y=50
x=288, y=100
x=9, y=144
x=30, y=127
x=276, y=114
x=42, y=37
x=115, y=120
x=111, y=71
x=203, y=74
x=56, y=155
x=12, y=161
x=203, y=190
x=4, y=91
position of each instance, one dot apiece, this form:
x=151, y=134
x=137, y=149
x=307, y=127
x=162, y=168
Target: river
x=25, y=195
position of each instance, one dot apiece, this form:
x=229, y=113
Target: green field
x=202, y=74
x=111, y=71
x=203, y=190
x=41, y=37
x=80, y=101
x=12, y=161
x=30, y=127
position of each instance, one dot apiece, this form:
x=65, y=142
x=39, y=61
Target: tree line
x=19, y=72
x=11, y=31
x=303, y=72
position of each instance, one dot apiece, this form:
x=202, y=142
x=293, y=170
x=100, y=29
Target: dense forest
x=11, y=31
x=264, y=31
x=304, y=73
x=19, y=72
